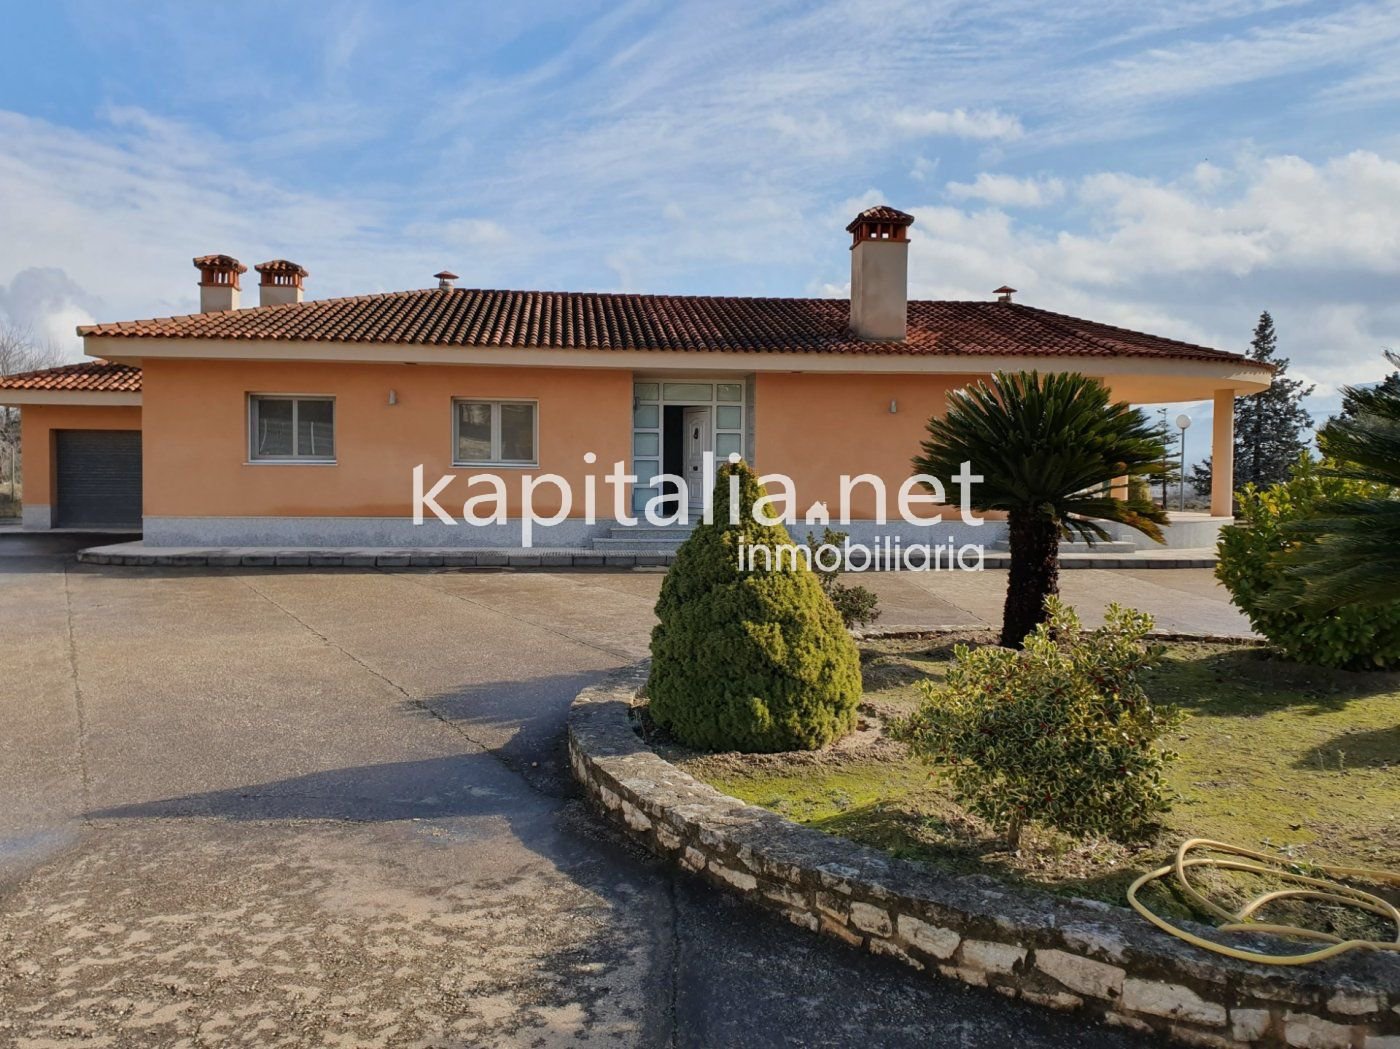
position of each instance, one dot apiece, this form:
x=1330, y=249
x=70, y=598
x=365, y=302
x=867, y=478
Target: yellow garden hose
x=1240, y=921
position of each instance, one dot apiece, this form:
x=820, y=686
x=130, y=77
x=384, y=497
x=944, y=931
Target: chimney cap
x=281, y=266
x=218, y=270
x=218, y=262
x=445, y=278
x=881, y=213
x=1004, y=293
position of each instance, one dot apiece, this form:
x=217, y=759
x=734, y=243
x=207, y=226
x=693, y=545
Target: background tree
x=1047, y=447
x=20, y=352
x=1269, y=426
x=1349, y=554
x=1170, y=475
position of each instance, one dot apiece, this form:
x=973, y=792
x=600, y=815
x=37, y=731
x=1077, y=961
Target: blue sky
x=1173, y=167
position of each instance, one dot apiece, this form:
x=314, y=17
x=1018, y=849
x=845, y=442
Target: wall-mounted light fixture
x=393, y=396
x=894, y=407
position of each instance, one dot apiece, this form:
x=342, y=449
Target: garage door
x=99, y=479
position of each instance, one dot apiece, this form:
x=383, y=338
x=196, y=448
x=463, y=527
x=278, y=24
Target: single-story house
x=300, y=422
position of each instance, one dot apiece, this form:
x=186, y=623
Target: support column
x=1119, y=488
x=1222, y=455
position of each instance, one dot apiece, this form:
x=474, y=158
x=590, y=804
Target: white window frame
x=496, y=460
x=255, y=459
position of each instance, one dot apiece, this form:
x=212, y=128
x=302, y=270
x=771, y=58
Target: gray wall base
x=402, y=533
x=398, y=533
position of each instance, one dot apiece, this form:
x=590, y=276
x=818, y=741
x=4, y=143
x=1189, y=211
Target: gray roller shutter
x=99, y=479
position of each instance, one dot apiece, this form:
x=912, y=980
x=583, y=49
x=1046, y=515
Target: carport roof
x=87, y=377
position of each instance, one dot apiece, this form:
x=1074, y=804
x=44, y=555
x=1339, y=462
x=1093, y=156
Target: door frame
x=650, y=461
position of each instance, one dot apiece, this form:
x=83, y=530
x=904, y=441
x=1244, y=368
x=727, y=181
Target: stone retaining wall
x=1058, y=952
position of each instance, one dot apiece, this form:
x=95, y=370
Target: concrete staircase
x=644, y=538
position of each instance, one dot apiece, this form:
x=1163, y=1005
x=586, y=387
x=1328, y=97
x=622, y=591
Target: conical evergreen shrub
x=751, y=660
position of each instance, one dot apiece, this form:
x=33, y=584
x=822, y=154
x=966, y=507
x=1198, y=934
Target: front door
x=698, y=437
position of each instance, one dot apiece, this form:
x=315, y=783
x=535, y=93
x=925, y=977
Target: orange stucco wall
x=815, y=427
x=37, y=425
x=196, y=435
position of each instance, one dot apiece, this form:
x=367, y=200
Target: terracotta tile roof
x=88, y=377
x=881, y=213
x=584, y=320
x=222, y=262
x=282, y=266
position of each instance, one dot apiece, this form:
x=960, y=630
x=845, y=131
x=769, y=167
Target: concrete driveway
x=331, y=809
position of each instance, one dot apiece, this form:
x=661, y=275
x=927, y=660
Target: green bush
x=753, y=660
x=1252, y=568
x=1060, y=732
x=856, y=605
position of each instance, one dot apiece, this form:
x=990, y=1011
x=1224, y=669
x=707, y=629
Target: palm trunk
x=1034, y=575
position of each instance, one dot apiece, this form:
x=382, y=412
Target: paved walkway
x=1185, y=600
x=311, y=809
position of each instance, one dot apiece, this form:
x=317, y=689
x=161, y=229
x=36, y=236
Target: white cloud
x=1008, y=191
x=48, y=305
x=1208, y=176
x=1199, y=259
x=1197, y=65
x=959, y=123
x=474, y=233
x=104, y=225
x=923, y=168
x=1287, y=213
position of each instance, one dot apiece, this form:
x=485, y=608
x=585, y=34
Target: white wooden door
x=699, y=435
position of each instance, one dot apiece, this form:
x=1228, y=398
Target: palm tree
x=1048, y=448
x=1354, y=553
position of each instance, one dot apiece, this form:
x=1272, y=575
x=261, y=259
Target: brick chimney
x=880, y=273
x=218, y=282
x=279, y=282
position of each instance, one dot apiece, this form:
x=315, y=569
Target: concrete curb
x=1058, y=952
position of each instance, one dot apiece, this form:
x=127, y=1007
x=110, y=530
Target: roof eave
x=1225, y=372
x=15, y=398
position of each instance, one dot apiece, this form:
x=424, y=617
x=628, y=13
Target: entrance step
x=664, y=531
x=666, y=538
x=640, y=543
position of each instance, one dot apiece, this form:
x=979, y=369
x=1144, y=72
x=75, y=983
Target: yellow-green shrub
x=1061, y=732
x=1352, y=638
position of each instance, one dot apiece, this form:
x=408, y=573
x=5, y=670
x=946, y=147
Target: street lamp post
x=1183, y=421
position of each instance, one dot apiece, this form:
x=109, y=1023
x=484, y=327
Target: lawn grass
x=1300, y=762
